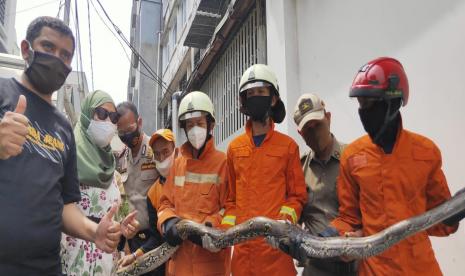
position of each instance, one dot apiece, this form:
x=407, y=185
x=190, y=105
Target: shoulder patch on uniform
x=358, y=161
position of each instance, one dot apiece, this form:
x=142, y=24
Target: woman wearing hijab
x=99, y=189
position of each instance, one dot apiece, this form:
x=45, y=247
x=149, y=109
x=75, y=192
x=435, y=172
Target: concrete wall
x=8, y=31
x=317, y=46
x=283, y=56
x=149, y=26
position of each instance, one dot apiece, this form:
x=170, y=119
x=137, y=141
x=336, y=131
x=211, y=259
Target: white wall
x=334, y=38
x=283, y=56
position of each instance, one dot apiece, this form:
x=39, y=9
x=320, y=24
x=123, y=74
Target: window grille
x=222, y=84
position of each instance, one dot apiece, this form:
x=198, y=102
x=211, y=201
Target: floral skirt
x=83, y=258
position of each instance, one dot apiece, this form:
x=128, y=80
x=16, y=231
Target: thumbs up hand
x=108, y=232
x=130, y=225
x=13, y=130
x=21, y=105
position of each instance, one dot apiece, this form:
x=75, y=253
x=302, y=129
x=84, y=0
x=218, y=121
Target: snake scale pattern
x=309, y=245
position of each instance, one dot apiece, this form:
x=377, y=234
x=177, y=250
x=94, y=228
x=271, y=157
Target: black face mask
x=46, y=72
x=380, y=121
x=373, y=117
x=130, y=139
x=258, y=107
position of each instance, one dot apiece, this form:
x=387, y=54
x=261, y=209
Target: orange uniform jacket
x=154, y=194
x=263, y=181
x=196, y=189
x=376, y=190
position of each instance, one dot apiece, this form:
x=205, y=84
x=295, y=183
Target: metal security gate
x=247, y=47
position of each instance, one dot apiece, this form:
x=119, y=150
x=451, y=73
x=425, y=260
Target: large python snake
x=309, y=245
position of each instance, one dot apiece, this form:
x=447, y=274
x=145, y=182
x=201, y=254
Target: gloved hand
x=454, y=219
x=208, y=244
x=288, y=245
x=204, y=241
x=458, y=217
x=329, y=232
x=171, y=233
x=273, y=241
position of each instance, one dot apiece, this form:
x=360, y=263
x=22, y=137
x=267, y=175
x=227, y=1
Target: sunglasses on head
x=103, y=114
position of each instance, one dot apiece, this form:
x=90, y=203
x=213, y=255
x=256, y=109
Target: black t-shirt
x=34, y=186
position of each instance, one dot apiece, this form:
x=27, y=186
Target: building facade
x=144, y=36
x=318, y=46
x=7, y=27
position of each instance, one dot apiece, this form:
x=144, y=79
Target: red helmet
x=383, y=77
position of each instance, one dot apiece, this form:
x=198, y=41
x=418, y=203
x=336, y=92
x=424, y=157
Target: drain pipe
x=174, y=114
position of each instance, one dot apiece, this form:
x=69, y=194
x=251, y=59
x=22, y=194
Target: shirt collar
x=335, y=152
x=248, y=131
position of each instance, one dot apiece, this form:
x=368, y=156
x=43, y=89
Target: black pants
x=135, y=243
x=329, y=268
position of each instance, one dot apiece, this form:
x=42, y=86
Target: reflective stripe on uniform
x=197, y=178
x=230, y=220
x=290, y=212
x=179, y=180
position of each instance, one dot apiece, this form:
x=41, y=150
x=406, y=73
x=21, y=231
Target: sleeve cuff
x=229, y=220
x=290, y=212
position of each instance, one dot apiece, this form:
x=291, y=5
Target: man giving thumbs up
x=13, y=130
x=38, y=177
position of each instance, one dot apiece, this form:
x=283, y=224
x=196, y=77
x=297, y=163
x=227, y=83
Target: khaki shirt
x=138, y=174
x=320, y=178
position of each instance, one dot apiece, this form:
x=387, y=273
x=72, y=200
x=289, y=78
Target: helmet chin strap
x=387, y=119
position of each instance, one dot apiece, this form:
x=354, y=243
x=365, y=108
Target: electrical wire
x=78, y=46
x=33, y=7
x=122, y=46
x=143, y=62
x=90, y=46
x=60, y=5
x=111, y=31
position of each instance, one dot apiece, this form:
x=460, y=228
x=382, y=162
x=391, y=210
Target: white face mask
x=101, y=132
x=164, y=166
x=197, y=136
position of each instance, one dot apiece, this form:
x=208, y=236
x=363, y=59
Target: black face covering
x=130, y=139
x=381, y=122
x=373, y=118
x=46, y=72
x=258, y=107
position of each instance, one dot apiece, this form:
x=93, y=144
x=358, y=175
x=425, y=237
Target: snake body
x=309, y=245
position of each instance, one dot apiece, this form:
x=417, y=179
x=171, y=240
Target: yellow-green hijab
x=95, y=165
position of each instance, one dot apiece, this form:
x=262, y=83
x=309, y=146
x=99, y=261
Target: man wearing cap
x=265, y=176
x=162, y=143
x=321, y=168
x=137, y=168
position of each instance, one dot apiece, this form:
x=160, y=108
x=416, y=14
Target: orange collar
x=248, y=131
